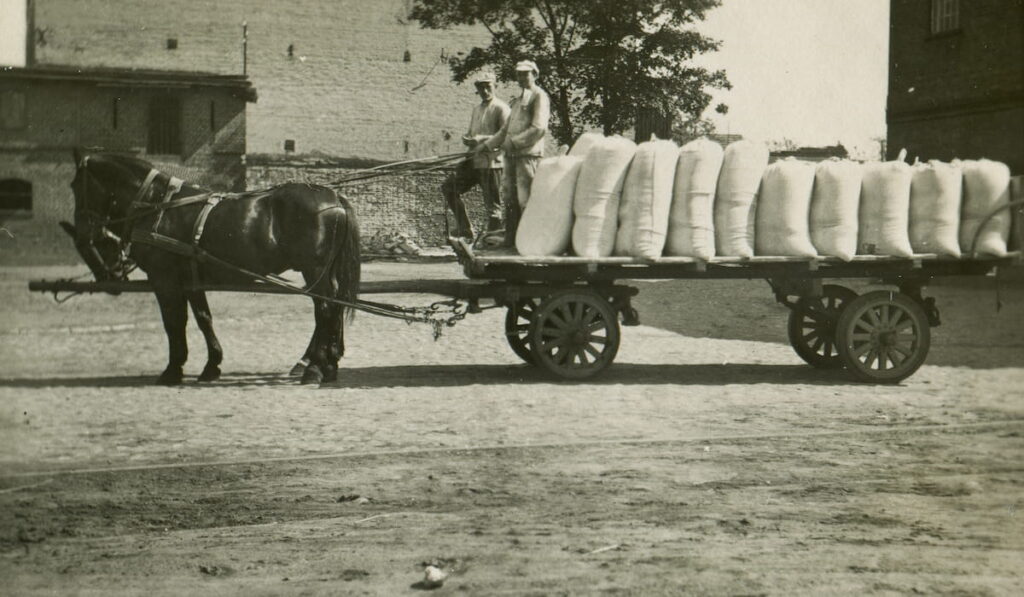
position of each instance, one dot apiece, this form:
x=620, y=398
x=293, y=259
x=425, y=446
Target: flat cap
x=485, y=77
x=528, y=65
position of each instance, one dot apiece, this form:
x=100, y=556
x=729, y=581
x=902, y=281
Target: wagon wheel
x=517, y=327
x=812, y=326
x=883, y=337
x=575, y=334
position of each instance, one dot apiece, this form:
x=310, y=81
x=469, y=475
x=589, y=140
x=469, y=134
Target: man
x=522, y=139
x=484, y=167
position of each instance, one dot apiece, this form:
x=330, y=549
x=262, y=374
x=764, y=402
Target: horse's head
x=104, y=187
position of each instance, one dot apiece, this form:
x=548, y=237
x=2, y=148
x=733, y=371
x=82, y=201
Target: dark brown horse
x=300, y=227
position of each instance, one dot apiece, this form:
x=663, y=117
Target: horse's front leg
x=174, y=309
x=214, y=353
x=314, y=372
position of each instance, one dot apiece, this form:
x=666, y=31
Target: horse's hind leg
x=334, y=345
x=314, y=372
x=174, y=310
x=214, y=353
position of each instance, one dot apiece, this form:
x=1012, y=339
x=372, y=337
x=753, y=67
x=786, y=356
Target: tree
x=600, y=60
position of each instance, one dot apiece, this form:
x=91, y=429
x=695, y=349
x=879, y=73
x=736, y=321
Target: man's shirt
x=487, y=120
x=528, y=122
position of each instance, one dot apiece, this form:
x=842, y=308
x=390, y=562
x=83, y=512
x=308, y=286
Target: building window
x=12, y=110
x=945, y=16
x=164, y=125
x=15, y=198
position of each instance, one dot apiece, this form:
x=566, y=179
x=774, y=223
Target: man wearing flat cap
x=522, y=139
x=484, y=167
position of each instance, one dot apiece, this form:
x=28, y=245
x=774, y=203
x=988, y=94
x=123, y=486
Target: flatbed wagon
x=564, y=314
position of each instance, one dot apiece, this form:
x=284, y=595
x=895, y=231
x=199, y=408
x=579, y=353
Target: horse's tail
x=347, y=262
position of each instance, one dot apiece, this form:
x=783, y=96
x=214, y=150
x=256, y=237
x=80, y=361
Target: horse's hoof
x=312, y=375
x=331, y=375
x=298, y=369
x=170, y=378
x=210, y=373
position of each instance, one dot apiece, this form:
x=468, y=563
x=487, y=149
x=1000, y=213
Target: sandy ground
x=708, y=460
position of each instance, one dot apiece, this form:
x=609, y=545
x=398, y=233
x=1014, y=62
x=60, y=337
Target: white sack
x=598, y=191
x=885, y=210
x=585, y=143
x=646, y=199
x=736, y=198
x=935, y=197
x=691, y=227
x=986, y=186
x=546, y=224
x=835, y=202
x=783, y=210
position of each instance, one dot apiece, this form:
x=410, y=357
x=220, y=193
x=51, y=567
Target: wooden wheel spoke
x=872, y=356
x=593, y=351
x=591, y=316
x=558, y=319
x=861, y=350
x=905, y=325
x=818, y=344
x=595, y=326
x=883, y=315
x=597, y=339
x=864, y=325
x=582, y=357
x=860, y=337
x=827, y=349
x=556, y=343
x=897, y=356
x=872, y=315
x=901, y=350
x=883, y=354
x=560, y=355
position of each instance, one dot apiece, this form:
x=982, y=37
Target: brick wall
x=957, y=93
x=346, y=90
x=61, y=115
x=409, y=204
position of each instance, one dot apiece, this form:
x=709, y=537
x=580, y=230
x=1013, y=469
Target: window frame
x=164, y=136
x=16, y=213
x=944, y=18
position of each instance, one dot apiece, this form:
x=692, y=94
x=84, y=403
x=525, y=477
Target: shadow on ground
x=464, y=375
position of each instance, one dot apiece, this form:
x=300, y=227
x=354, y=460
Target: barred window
x=164, y=125
x=15, y=198
x=945, y=16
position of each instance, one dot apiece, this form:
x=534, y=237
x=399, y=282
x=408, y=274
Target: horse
x=182, y=236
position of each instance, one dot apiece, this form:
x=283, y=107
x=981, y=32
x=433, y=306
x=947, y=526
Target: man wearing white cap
x=523, y=141
x=483, y=168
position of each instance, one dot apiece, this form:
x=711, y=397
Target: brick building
x=343, y=79
x=956, y=80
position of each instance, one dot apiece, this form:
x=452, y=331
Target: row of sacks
x=610, y=196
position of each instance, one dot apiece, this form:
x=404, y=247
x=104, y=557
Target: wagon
x=564, y=314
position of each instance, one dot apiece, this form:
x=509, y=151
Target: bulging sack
x=584, y=144
x=598, y=191
x=691, y=223
x=546, y=225
x=835, y=202
x=646, y=199
x=736, y=198
x=783, y=210
x=986, y=186
x=885, y=210
x=935, y=197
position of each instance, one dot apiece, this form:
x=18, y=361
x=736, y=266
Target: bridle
x=97, y=221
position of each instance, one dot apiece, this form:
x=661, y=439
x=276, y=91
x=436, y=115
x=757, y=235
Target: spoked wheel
x=812, y=326
x=575, y=334
x=518, y=320
x=883, y=337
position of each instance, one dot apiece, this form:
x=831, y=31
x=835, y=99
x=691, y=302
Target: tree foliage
x=600, y=60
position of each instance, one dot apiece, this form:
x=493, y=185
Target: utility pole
x=245, y=47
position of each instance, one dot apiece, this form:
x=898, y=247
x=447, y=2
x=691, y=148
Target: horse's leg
x=300, y=367
x=317, y=356
x=174, y=310
x=333, y=344
x=214, y=353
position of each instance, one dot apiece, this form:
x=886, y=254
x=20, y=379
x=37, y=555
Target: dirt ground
x=709, y=460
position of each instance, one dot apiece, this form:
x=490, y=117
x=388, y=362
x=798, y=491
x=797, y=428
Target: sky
x=811, y=71
x=12, y=32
